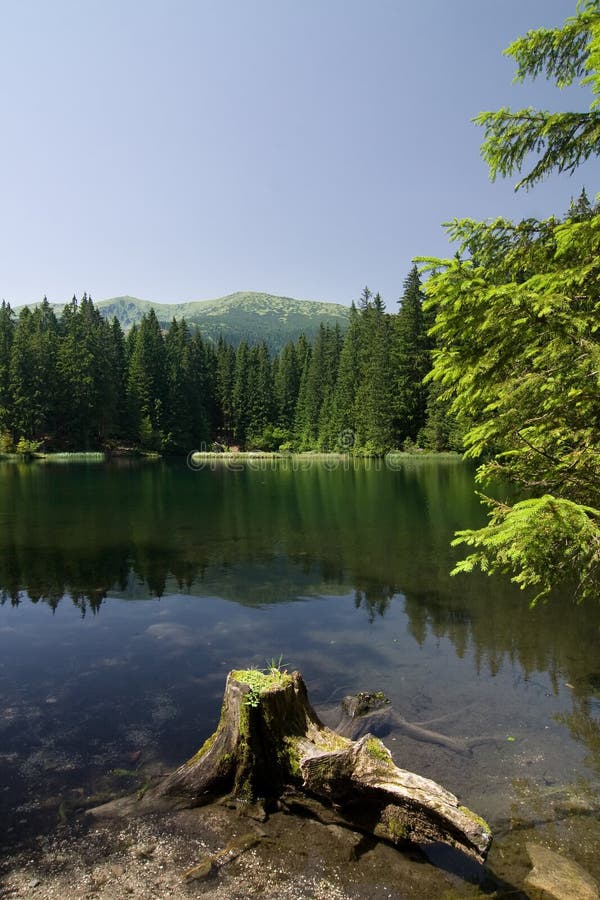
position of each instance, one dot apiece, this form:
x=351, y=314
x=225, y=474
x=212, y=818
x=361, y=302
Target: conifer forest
x=78, y=382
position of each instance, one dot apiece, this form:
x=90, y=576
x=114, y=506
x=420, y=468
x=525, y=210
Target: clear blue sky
x=185, y=149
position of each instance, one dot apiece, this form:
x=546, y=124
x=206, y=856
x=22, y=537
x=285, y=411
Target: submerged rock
x=554, y=877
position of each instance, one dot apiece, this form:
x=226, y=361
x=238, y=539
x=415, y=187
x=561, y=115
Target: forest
x=495, y=354
x=78, y=382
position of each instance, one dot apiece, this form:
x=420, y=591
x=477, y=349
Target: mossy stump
x=269, y=737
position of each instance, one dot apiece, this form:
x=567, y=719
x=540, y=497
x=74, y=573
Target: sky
x=180, y=150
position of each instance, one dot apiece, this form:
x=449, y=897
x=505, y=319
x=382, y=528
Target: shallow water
x=130, y=590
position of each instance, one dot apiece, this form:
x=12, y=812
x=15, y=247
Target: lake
x=130, y=590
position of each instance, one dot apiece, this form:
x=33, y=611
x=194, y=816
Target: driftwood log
x=269, y=737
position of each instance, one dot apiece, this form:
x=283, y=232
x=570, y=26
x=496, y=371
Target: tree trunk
x=269, y=736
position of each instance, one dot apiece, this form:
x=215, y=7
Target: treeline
x=78, y=382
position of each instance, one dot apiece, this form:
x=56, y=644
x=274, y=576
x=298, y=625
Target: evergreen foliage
x=79, y=383
x=517, y=341
x=561, y=140
x=7, y=330
x=411, y=360
x=374, y=396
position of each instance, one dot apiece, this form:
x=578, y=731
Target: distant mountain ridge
x=245, y=315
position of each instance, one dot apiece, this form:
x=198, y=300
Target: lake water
x=128, y=592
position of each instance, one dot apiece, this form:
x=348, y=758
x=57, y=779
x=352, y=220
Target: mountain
x=253, y=317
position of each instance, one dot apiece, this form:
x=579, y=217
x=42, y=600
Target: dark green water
x=129, y=591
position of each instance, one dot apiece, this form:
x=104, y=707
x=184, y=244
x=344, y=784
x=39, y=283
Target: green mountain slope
x=249, y=316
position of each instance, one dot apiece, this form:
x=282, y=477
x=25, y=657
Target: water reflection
x=259, y=537
x=344, y=571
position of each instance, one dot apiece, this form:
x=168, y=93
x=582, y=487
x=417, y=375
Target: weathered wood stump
x=270, y=737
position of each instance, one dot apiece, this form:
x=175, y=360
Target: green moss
x=224, y=763
x=203, y=749
x=244, y=791
x=329, y=741
x=397, y=829
x=377, y=750
x=474, y=817
x=244, y=722
x=289, y=757
x=261, y=682
x=394, y=824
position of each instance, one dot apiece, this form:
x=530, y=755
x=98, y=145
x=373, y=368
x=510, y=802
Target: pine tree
x=201, y=367
x=224, y=382
x=7, y=330
x=411, y=362
x=86, y=404
x=517, y=337
x=241, y=393
x=116, y=358
x=261, y=412
x=316, y=387
x=147, y=382
x=179, y=391
x=302, y=423
x=32, y=376
x=375, y=394
x=343, y=413
x=561, y=141
x=287, y=385
x=581, y=209
x=327, y=435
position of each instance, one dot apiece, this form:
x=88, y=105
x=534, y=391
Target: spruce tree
x=343, y=413
x=32, y=376
x=374, y=396
x=411, y=362
x=177, y=419
x=287, y=385
x=7, y=330
x=224, y=381
x=316, y=387
x=561, y=141
x=116, y=357
x=200, y=376
x=241, y=393
x=83, y=371
x=261, y=413
x=517, y=337
x=147, y=382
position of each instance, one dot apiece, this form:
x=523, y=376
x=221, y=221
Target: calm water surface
x=128, y=591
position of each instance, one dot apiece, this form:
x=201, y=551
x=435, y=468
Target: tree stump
x=269, y=737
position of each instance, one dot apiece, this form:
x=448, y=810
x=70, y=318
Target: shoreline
x=241, y=456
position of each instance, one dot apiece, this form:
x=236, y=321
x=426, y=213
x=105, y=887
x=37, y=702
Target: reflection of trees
x=374, y=599
x=585, y=729
x=260, y=537
x=583, y=721
x=498, y=626
x=266, y=536
x=84, y=531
